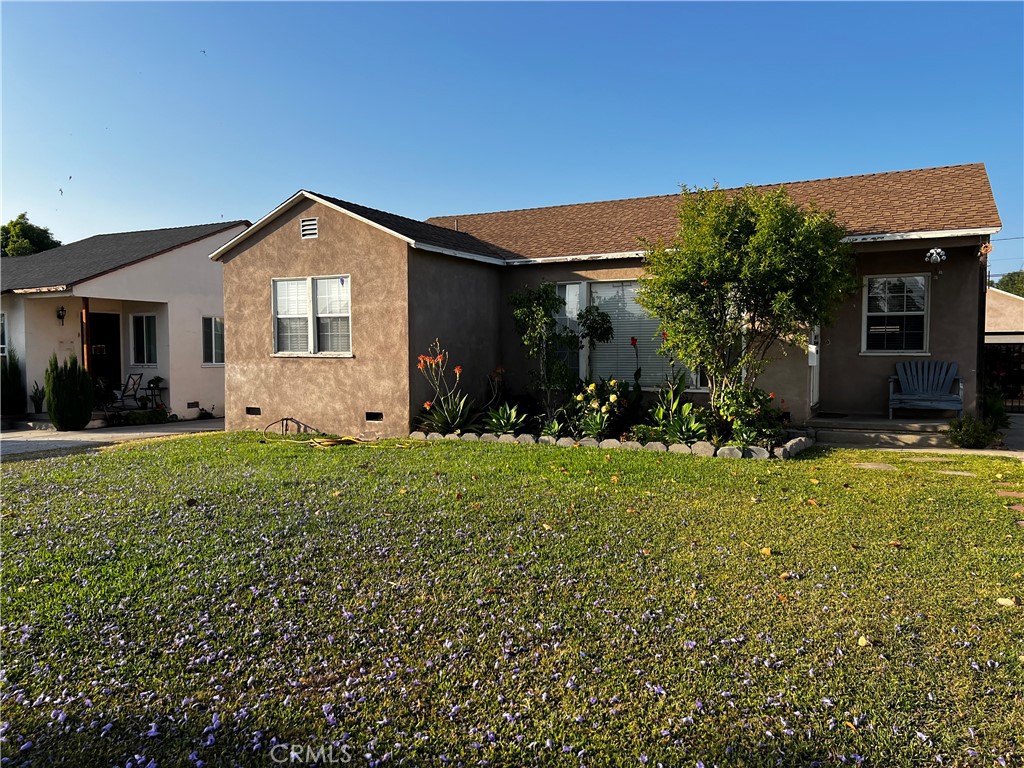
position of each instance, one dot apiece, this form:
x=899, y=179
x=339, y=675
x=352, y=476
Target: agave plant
x=505, y=419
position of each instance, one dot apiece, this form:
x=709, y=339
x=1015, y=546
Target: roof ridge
x=726, y=189
x=161, y=229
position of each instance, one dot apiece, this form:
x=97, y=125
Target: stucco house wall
x=854, y=382
x=329, y=393
x=1004, y=312
x=458, y=302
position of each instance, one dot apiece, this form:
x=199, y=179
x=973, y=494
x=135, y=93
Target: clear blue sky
x=151, y=115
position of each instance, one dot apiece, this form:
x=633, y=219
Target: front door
x=105, y=349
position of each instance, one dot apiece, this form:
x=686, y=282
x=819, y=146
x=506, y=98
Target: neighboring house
x=1004, y=347
x=1004, y=317
x=329, y=303
x=133, y=302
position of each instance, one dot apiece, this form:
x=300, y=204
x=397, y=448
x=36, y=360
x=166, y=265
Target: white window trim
x=213, y=345
x=131, y=326
x=585, y=298
x=311, y=317
x=3, y=324
x=864, y=351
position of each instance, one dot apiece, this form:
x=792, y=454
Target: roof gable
x=418, y=234
x=85, y=259
x=927, y=200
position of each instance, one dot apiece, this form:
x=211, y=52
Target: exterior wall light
x=935, y=255
x=61, y=313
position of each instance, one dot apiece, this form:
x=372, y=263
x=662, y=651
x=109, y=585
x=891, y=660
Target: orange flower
x=771, y=395
x=458, y=370
x=422, y=365
x=427, y=405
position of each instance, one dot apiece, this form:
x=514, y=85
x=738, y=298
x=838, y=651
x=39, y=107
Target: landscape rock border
x=788, y=450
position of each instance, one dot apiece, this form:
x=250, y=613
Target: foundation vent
x=308, y=228
x=374, y=416
x=252, y=410
x=192, y=404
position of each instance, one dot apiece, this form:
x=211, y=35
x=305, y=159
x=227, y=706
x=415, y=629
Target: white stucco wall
x=180, y=287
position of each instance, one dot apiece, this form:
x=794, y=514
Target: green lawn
x=443, y=603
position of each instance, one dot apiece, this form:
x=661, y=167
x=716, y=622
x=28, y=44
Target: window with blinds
x=213, y=341
x=895, y=311
x=312, y=315
x=618, y=359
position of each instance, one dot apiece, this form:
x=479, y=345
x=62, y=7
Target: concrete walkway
x=25, y=441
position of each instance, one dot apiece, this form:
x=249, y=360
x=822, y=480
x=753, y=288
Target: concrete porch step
x=881, y=433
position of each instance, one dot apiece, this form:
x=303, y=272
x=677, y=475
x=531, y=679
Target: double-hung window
x=213, y=341
x=896, y=314
x=143, y=339
x=312, y=316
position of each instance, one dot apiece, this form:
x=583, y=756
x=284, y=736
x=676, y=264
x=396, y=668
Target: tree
x=535, y=314
x=20, y=237
x=1012, y=282
x=746, y=272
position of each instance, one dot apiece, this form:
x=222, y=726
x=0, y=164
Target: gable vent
x=307, y=228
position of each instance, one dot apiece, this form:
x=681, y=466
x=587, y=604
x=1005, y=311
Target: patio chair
x=130, y=391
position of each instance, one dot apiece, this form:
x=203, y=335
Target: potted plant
x=38, y=397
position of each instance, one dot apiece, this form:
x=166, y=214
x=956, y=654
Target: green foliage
x=12, y=385
x=505, y=419
x=968, y=431
x=621, y=588
x=745, y=272
x=37, y=396
x=448, y=410
x=1012, y=282
x=599, y=410
x=675, y=419
x=994, y=408
x=20, y=237
x=552, y=428
x=549, y=341
x=69, y=394
x=140, y=418
x=751, y=418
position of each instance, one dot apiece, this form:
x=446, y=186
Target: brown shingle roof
x=931, y=199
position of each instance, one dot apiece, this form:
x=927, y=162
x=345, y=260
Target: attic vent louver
x=307, y=228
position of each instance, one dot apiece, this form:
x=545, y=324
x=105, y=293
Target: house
x=147, y=302
x=1004, y=347
x=328, y=303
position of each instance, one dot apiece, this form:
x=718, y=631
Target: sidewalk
x=23, y=441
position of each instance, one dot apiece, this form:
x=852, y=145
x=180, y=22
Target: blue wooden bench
x=926, y=384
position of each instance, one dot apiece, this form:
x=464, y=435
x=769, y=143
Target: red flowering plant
x=448, y=410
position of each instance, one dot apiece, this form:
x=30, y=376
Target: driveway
x=23, y=441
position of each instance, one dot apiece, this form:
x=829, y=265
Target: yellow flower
x=579, y=398
x=604, y=409
x=592, y=388
x=594, y=404
x=612, y=398
x=611, y=383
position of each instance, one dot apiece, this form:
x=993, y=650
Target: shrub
x=967, y=431
x=597, y=411
x=749, y=417
x=139, y=418
x=504, y=419
x=12, y=385
x=69, y=394
x=552, y=428
x=37, y=396
x=995, y=408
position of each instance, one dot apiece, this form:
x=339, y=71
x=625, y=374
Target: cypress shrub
x=69, y=394
x=12, y=385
